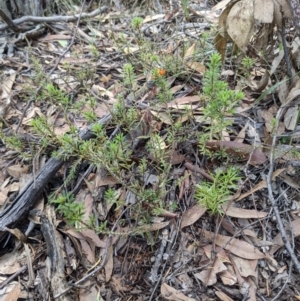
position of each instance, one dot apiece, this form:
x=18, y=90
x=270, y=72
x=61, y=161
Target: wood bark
x=18, y=8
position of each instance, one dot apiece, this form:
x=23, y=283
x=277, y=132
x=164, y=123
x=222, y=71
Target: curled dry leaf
x=228, y=277
x=244, y=151
x=84, y=247
x=221, y=44
x=242, y=133
x=240, y=23
x=18, y=234
x=262, y=84
x=223, y=18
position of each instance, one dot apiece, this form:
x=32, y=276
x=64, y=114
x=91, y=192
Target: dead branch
x=52, y=19
x=9, y=21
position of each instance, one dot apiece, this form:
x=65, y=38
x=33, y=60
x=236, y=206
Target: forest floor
x=140, y=163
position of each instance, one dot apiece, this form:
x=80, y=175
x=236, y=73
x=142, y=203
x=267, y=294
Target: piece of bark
x=55, y=246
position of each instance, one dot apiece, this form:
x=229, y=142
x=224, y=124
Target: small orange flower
x=157, y=73
x=162, y=72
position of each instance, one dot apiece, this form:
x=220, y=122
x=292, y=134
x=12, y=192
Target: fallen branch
x=52, y=19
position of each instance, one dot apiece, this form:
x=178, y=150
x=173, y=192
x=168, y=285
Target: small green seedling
x=214, y=195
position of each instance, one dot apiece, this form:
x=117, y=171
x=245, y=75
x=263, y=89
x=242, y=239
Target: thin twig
x=285, y=283
x=13, y=276
x=273, y=201
x=286, y=52
x=158, y=282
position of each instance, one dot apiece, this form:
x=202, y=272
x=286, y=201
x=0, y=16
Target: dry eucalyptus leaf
x=185, y=100
x=283, y=90
x=197, y=66
x=264, y=11
x=242, y=150
x=17, y=233
x=89, y=294
x=222, y=296
x=209, y=276
x=191, y=215
x=268, y=117
x=170, y=293
x=292, y=95
x=228, y=278
x=260, y=185
x=17, y=170
x=109, y=265
x=246, y=267
x=14, y=294
x=235, y=246
x=243, y=213
x=190, y=52
x=221, y=5
x=240, y=23
x=277, y=240
x=276, y=61
x=91, y=234
x=12, y=262
x=281, y=7
x=291, y=118
x=223, y=19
